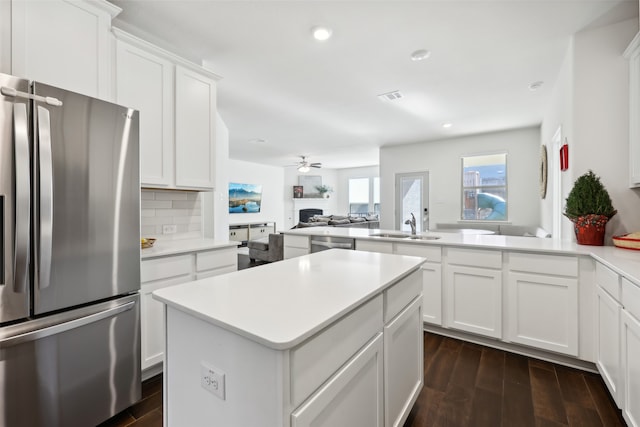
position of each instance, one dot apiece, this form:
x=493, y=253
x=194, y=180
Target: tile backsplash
x=169, y=207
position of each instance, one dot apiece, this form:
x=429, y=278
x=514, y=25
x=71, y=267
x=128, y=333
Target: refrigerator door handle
x=65, y=326
x=22, y=198
x=45, y=239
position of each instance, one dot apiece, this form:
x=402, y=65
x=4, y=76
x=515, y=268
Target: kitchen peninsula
x=550, y=299
x=332, y=339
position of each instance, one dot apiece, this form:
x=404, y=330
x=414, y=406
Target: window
x=484, y=187
x=364, y=196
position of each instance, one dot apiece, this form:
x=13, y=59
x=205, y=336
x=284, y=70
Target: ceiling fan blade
x=315, y=165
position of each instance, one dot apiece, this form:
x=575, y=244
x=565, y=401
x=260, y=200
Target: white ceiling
x=319, y=98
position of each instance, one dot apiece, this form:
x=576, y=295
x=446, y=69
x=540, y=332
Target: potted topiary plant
x=589, y=208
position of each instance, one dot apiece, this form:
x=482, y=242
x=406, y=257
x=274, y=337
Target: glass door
x=412, y=197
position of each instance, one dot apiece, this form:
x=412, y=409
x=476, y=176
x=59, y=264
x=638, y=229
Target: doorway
x=412, y=197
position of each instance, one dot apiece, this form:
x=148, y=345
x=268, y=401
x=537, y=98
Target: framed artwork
x=298, y=191
x=309, y=184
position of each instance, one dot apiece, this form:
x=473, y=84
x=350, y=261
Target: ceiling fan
x=305, y=166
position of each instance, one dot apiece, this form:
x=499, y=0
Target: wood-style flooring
x=469, y=385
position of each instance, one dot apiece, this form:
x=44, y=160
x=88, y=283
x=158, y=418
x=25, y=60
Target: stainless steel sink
x=392, y=235
x=404, y=236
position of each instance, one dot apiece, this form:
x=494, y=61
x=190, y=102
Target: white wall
x=591, y=103
x=442, y=160
x=292, y=206
x=272, y=180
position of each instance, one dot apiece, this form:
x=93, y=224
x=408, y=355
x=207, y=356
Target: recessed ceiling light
x=321, y=33
x=420, y=54
x=447, y=125
x=536, y=85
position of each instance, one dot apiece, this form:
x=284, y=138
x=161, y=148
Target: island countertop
x=279, y=305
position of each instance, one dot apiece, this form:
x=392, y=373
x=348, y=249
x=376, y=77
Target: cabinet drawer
x=431, y=253
x=215, y=259
x=401, y=294
x=164, y=268
x=608, y=280
x=474, y=257
x=318, y=358
x=631, y=298
x=239, y=234
x=544, y=264
x=374, y=246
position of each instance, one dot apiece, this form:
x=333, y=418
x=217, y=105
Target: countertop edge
x=175, y=247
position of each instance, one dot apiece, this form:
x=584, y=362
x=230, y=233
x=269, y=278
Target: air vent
x=390, y=96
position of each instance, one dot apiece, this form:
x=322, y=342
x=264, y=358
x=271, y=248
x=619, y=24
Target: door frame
x=423, y=217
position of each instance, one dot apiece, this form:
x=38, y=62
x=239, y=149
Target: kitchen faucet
x=412, y=223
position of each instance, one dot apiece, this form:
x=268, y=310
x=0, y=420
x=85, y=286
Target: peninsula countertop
x=279, y=305
x=624, y=261
x=173, y=247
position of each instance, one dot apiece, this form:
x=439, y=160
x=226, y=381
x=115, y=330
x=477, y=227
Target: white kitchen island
x=328, y=339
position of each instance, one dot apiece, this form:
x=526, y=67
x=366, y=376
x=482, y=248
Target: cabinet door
x=64, y=43
x=432, y=293
x=195, y=119
x=144, y=82
x=374, y=246
x=630, y=352
x=633, y=55
x=543, y=312
x=608, y=341
x=352, y=397
x=474, y=300
x=403, y=363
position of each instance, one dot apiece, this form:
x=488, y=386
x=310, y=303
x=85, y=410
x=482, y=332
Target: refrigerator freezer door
x=87, y=212
x=78, y=368
x=14, y=200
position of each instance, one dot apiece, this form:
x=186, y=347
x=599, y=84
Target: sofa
x=268, y=249
x=370, y=221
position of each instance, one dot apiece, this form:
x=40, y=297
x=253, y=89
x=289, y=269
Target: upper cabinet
x=177, y=104
x=64, y=43
x=633, y=55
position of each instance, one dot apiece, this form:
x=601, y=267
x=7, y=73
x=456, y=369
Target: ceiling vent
x=390, y=96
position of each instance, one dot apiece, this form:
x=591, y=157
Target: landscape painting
x=244, y=198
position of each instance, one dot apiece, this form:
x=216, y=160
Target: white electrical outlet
x=169, y=229
x=212, y=380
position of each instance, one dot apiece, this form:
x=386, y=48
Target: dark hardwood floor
x=469, y=385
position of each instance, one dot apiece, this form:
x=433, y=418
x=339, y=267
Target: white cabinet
x=403, y=364
x=158, y=273
x=177, y=103
x=608, y=309
x=360, y=387
x=195, y=118
x=295, y=246
x=144, y=83
x=608, y=341
x=633, y=55
x=473, y=282
x=542, y=302
x=630, y=352
x=64, y=43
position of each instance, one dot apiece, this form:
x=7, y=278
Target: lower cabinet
x=353, y=397
x=403, y=364
x=608, y=341
x=630, y=352
x=158, y=273
x=295, y=246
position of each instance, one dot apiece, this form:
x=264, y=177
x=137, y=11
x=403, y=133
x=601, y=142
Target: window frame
x=480, y=188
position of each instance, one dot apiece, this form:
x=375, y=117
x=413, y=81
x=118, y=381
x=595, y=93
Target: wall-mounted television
x=244, y=198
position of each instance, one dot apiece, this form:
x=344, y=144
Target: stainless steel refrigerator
x=70, y=245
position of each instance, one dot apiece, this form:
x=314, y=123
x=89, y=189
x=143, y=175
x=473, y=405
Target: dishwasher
x=322, y=243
